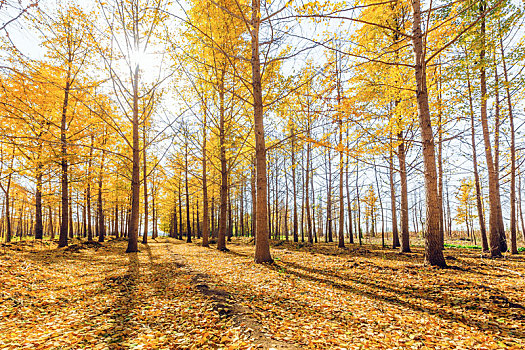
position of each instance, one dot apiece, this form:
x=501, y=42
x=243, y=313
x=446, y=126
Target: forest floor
x=173, y=295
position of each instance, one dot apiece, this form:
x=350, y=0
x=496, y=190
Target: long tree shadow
x=351, y=250
x=447, y=301
x=497, y=305
x=122, y=311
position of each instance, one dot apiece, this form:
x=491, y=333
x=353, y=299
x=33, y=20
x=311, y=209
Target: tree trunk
x=205, y=224
x=405, y=231
x=349, y=201
x=433, y=248
x=88, y=192
x=262, y=243
x=7, y=191
x=294, y=185
x=358, y=230
x=223, y=214
x=101, y=225
x=62, y=241
x=440, y=168
x=513, y=234
x=395, y=233
x=341, y=243
x=180, y=208
x=497, y=122
x=481, y=214
x=188, y=223
x=145, y=183
x=307, y=194
x=254, y=198
x=241, y=214
x=494, y=219
x=329, y=200
x=230, y=219
x=133, y=227
x=39, y=226
x=520, y=207
x=70, y=205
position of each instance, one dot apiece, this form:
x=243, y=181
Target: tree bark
x=262, y=243
x=329, y=200
x=405, y=231
x=133, y=226
x=481, y=214
x=205, y=224
x=294, y=187
x=145, y=184
x=395, y=233
x=433, y=248
x=494, y=217
x=39, y=226
x=188, y=223
x=223, y=214
x=513, y=229
x=101, y=224
x=62, y=241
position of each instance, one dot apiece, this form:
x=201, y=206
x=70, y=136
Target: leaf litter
x=173, y=295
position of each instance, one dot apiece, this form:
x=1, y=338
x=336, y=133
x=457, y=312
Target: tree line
x=308, y=122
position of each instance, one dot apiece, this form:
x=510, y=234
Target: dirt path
x=172, y=295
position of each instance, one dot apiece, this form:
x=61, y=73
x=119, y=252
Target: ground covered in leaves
x=173, y=295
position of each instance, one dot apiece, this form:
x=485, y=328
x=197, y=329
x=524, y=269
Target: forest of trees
x=398, y=123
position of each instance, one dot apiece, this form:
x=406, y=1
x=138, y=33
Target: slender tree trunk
x=381, y=207
x=39, y=226
x=186, y=181
x=433, y=248
x=175, y=220
x=180, y=208
x=70, y=205
x=254, y=199
x=88, y=191
x=395, y=233
x=154, y=212
x=494, y=219
x=313, y=204
x=481, y=214
x=294, y=185
x=286, y=229
x=223, y=214
x=243, y=191
x=520, y=207
x=230, y=219
x=262, y=243
x=497, y=122
x=341, y=243
x=205, y=224
x=62, y=241
x=133, y=227
x=440, y=168
x=51, y=224
x=405, y=231
x=145, y=184
x=329, y=200
x=307, y=195
x=100, y=216
x=7, y=192
x=513, y=229
x=348, y=199
x=358, y=230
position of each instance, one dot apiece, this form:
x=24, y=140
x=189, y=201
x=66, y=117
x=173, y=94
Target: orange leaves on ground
x=173, y=295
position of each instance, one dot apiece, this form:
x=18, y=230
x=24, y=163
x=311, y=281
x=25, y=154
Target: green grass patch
x=462, y=246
